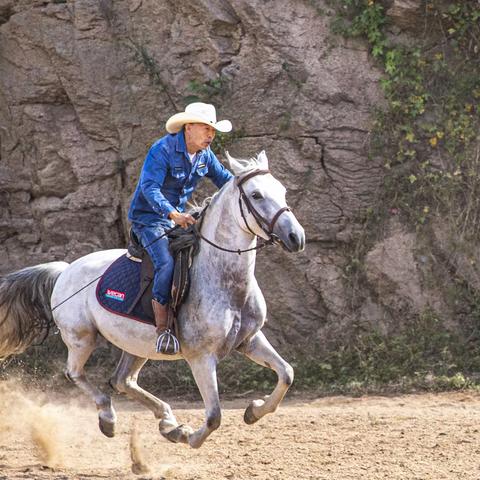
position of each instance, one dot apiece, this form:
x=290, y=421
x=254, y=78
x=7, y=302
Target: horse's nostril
x=293, y=237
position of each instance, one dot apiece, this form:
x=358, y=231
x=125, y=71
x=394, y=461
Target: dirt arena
x=405, y=437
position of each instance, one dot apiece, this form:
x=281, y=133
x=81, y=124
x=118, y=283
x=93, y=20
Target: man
x=172, y=168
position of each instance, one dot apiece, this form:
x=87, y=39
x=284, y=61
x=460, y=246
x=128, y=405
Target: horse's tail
x=25, y=311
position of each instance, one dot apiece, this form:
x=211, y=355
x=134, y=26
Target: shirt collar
x=181, y=146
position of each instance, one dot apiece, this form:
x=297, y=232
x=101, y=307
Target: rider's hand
x=182, y=219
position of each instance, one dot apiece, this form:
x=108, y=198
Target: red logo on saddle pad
x=120, y=296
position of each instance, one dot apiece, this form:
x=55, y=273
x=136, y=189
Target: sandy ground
x=405, y=437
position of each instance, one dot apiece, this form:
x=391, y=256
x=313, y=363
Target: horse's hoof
x=248, y=417
x=196, y=441
x=178, y=435
x=107, y=428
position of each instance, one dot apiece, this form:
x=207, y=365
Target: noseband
x=266, y=226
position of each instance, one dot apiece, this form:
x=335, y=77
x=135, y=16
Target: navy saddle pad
x=118, y=290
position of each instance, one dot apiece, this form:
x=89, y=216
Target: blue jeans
x=161, y=258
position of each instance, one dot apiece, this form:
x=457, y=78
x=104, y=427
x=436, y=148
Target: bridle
x=265, y=225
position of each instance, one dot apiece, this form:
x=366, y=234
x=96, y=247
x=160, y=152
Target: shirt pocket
x=178, y=172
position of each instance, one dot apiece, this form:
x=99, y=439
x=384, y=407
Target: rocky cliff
x=87, y=85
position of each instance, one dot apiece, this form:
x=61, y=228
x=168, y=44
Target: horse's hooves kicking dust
x=177, y=435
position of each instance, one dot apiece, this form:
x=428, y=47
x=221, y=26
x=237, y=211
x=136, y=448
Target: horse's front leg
x=204, y=371
x=258, y=349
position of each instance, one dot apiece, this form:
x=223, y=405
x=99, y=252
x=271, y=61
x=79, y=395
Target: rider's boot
x=167, y=343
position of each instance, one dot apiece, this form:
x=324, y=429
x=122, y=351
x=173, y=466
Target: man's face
x=198, y=136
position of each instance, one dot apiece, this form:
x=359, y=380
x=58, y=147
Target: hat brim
x=176, y=122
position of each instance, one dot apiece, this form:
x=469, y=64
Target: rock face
x=406, y=14
x=87, y=85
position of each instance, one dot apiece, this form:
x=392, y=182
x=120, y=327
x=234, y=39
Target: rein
x=261, y=221
x=239, y=251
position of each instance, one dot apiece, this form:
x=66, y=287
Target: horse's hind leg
x=259, y=350
x=80, y=346
x=124, y=380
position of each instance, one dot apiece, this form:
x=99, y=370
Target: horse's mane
x=195, y=207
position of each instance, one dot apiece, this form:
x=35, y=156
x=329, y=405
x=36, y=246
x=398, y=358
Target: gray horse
x=225, y=309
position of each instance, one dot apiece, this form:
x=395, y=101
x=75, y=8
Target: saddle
x=183, y=247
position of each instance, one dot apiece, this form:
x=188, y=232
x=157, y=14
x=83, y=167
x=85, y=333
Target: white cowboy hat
x=197, y=113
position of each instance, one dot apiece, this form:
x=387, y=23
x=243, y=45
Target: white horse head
x=266, y=212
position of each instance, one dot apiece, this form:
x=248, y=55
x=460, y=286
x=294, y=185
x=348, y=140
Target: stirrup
x=167, y=343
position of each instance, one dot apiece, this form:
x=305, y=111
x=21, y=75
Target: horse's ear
x=233, y=164
x=262, y=160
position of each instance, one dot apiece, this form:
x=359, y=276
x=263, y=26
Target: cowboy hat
x=197, y=113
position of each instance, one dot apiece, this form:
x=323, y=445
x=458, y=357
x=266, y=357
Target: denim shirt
x=168, y=179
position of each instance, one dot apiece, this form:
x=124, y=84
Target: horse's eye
x=257, y=195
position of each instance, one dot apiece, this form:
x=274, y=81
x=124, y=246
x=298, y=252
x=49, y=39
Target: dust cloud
x=52, y=435
x=139, y=465
x=28, y=417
